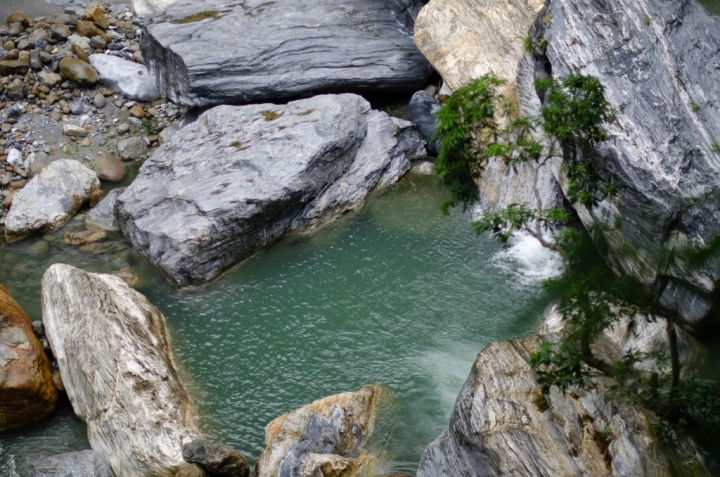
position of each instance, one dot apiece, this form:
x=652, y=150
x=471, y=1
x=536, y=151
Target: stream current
x=396, y=295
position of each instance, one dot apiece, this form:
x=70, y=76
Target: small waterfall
x=528, y=261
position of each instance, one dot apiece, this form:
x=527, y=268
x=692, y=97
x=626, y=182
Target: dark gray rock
x=102, y=216
x=74, y=464
x=658, y=61
x=410, y=140
x=421, y=111
x=215, y=459
x=288, y=48
x=231, y=182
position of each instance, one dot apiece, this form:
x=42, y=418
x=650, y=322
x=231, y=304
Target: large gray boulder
x=113, y=351
x=502, y=424
x=74, y=464
x=102, y=216
x=234, y=180
x=50, y=199
x=323, y=439
x=132, y=80
x=657, y=60
x=288, y=48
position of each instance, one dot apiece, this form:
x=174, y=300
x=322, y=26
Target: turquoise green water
x=397, y=295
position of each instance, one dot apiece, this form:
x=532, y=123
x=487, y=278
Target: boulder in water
x=322, y=439
x=289, y=48
x=27, y=394
x=215, y=459
x=50, y=199
x=113, y=351
x=102, y=216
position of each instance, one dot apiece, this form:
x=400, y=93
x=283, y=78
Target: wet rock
x=131, y=149
x=130, y=79
x=425, y=168
x=85, y=236
x=215, y=459
x=661, y=151
x=225, y=209
x=324, y=439
x=354, y=45
x=95, y=197
x=421, y=111
x=50, y=199
x=27, y=394
x=74, y=464
x=39, y=248
x=131, y=276
x=110, y=168
x=113, y=352
x=78, y=71
x=379, y=161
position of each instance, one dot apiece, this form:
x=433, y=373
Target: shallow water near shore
x=397, y=295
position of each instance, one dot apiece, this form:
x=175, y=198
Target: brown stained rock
x=13, y=67
x=131, y=277
x=18, y=18
x=80, y=53
x=78, y=71
x=96, y=196
x=27, y=393
x=191, y=470
x=110, y=168
x=88, y=29
x=96, y=14
x=137, y=111
x=85, y=237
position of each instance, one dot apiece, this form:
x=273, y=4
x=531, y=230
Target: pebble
x=99, y=101
x=123, y=128
x=74, y=131
x=76, y=108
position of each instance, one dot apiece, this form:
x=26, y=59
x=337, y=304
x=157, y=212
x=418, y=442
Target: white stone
x=126, y=77
x=15, y=158
x=73, y=130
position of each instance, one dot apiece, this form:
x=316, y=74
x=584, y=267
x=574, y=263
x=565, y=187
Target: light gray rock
x=410, y=140
x=74, y=464
x=379, y=161
x=421, y=111
x=502, y=425
x=113, y=351
x=50, y=199
x=15, y=158
x=130, y=79
x=132, y=149
x=102, y=216
x=288, y=48
x=231, y=182
x=660, y=78
x=323, y=439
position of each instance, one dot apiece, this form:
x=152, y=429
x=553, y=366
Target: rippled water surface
x=397, y=295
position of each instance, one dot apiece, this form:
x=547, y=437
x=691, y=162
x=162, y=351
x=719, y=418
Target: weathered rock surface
x=466, y=40
x=132, y=148
x=74, y=464
x=217, y=460
x=114, y=356
x=50, y=199
x=102, y=216
x=379, y=161
x=78, y=71
x=410, y=141
x=421, y=111
x=130, y=79
x=27, y=394
x=288, y=48
x=233, y=181
x=322, y=439
x=503, y=425
x=149, y=7
x=659, y=77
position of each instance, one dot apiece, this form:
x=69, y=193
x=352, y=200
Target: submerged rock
x=74, y=464
x=130, y=79
x=288, y=48
x=379, y=161
x=27, y=394
x=662, y=151
x=322, y=439
x=102, y=216
x=233, y=181
x=50, y=199
x=502, y=424
x=113, y=351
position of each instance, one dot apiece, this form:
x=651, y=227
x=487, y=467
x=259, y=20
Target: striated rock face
x=322, y=439
x=74, y=464
x=289, y=48
x=148, y=7
x=379, y=161
x=102, y=216
x=114, y=356
x=234, y=181
x=657, y=61
x=503, y=425
x=27, y=394
x=50, y=199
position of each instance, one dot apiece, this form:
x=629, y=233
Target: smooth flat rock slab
x=50, y=199
x=130, y=79
x=113, y=351
x=231, y=182
x=286, y=49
